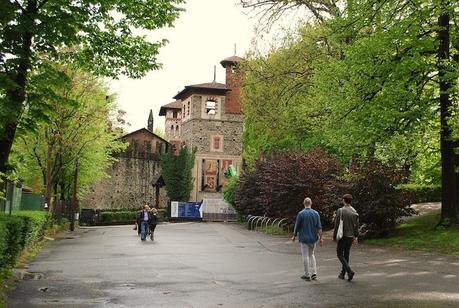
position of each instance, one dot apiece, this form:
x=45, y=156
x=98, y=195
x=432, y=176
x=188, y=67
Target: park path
x=225, y=265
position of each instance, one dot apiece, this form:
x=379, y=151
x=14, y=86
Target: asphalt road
x=224, y=265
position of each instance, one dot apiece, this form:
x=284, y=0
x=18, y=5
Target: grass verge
x=7, y=279
x=420, y=234
x=273, y=230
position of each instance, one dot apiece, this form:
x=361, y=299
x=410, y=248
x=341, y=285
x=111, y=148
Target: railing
x=253, y=222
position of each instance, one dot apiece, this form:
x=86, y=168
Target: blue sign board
x=186, y=209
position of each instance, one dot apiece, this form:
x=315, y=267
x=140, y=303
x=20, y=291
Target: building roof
x=174, y=105
x=231, y=60
x=213, y=87
x=158, y=180
x=145, y=130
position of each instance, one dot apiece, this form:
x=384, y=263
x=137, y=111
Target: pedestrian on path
x=144, y=219
x=137, y=220
x=309, y=230
x=346, y=233
x=153, y=223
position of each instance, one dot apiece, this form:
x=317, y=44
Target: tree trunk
x=448, y=181
x=74, y=198
x=16, y=96
x=49, y=182
x=456, y=142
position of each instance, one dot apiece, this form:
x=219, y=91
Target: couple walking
x=309, y=230
x=146, y=222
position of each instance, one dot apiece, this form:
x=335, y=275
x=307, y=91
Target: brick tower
x=233, y=83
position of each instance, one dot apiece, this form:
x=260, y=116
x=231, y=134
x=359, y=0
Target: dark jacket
x=153, y=219
x=140, y=216
x=350, y=222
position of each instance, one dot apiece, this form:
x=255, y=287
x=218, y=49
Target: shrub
x=12, y=239
x=376, y=199
x=422, y=193
x=279, y=183
x=35, y=225
x=117, y=217
x=229, y=194
x=177, y=173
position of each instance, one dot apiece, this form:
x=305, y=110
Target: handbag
x=339, y=233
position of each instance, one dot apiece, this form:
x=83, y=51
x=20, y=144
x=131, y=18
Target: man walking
x=350, y=234
x=309, y=229
x=144, y=219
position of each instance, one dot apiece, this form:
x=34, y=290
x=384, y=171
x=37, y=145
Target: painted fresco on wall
x=210, y=174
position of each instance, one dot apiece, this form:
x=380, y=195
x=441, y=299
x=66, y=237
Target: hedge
x=422, y=193
x=36, y=223
x=20, y=231
x=117, y=217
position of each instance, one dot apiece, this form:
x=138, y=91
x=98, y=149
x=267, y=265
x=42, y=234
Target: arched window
x=172, y=128
x=211, y=106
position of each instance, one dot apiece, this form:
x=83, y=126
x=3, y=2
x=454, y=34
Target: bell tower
x=150, y=121
x=233, y=83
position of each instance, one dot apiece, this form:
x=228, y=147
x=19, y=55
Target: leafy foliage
x=376, y=197
x=176, y=171
x=96, y=36
x=117, y=217
x=279, y=113
x=35, y=225
x=76, y=133
x=382, y=84
x=229, y=193
x=18, y=232
x=11, y=239
x=279, y=183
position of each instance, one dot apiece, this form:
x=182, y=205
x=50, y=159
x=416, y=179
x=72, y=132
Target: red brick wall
x=233, y=97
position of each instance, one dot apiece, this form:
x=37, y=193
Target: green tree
x=177, y=173
x=76, y=135
x=386, y=89
x=396, y=81
x=97, y=35
x=279, y=112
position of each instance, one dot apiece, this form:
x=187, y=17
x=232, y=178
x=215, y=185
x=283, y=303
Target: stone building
x=172, y=125
x=211, y=122
x=131, y=176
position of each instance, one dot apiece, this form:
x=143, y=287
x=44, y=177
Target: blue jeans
x=143, y=230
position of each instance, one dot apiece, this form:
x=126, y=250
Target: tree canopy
x=99, y=36
x=377, y=80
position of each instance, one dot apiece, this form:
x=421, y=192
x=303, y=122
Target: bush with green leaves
x=11, y=239
x=229, y=194
x=376, y=198
x=176, y=171
x=422, y=193
x=21, y=230
x=35, y=225
x=117, y=217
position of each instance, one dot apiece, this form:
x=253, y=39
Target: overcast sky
x=203, y=35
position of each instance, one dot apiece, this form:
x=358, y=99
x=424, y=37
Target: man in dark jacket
x=144, y=219
x=350, y=235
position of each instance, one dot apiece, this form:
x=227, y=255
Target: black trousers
x=343, y=250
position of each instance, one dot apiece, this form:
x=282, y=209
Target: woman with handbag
x=346, y=233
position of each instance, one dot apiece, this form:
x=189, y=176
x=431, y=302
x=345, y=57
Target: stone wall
x=129, y=186
x=198, y=132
